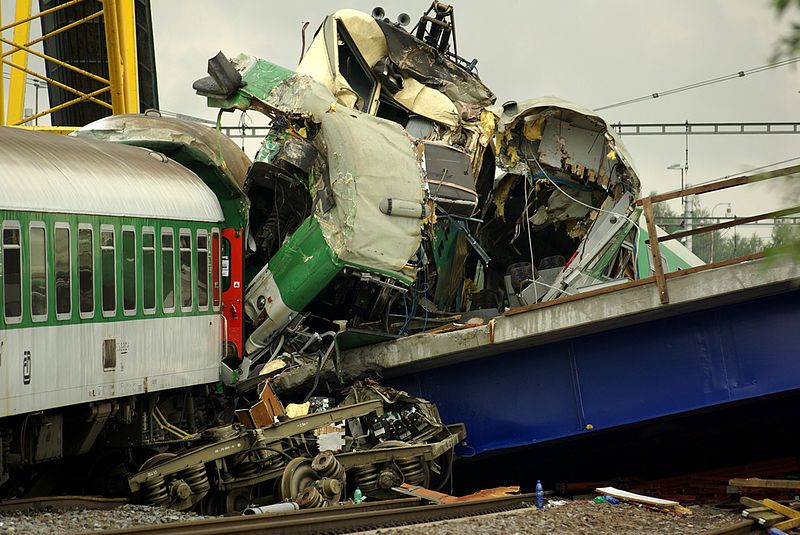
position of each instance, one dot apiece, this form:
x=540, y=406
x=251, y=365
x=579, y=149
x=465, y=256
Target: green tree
x=713, y=246
x=789, y=45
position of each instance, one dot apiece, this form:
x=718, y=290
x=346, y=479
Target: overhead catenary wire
x=742, y=173
x=695, y=85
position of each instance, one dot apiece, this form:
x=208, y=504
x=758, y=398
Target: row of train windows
x=200, y=258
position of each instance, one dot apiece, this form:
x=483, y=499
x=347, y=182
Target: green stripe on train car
x=96, y=222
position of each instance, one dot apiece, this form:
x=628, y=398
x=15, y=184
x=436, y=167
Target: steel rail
x=332, y=520
x=60, y=502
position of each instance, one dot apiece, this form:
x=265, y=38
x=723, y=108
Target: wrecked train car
x=392, y=195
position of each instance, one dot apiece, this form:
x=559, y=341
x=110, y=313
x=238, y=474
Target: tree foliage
x=789, y=44
x=723, y=244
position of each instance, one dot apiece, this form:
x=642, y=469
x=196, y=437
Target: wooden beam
x=788, y=512
x=758, y=483
x=723, y=184
x=655, y=253
x=744, y=526
x=727, y=224
x=786, y=525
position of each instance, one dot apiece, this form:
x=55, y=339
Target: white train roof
x=50, y=173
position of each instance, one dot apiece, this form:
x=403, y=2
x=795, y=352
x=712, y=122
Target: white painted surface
x=47, y=173
x=278, y=314
x=66, y=362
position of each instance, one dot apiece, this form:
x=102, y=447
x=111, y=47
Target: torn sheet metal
x=195, y=146
x=391, y=195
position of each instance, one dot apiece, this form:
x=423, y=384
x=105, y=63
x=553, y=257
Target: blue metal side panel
x=621, y=376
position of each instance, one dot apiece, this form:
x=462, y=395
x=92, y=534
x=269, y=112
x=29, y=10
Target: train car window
x=128, y=270
x=186, y=269
x=167, y=270
x=38, y=271
x=63, y=263
x=202, y=269
x=149, y=269
x=86, y=270
x=108, y=275
x=215, y=272
x=12, y=272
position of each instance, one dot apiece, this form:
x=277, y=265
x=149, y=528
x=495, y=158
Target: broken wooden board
x=758, y=483
x=638, y=498
x=440, y=497
x=793, y=516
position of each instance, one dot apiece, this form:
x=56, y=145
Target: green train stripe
x=138, y=224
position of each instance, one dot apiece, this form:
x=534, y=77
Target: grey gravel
x=576, y=517
x=82, y=520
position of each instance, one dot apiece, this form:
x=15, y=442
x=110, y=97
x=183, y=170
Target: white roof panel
x=50, y=173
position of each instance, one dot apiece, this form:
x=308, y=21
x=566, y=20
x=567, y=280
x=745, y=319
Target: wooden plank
x=788, y=512
x=744, y=526
x=633, y=497
x=706, y=267
x=757, y=482
x=750, y=502
x=788, y=524
x=765, y=518
x=727, y=224
x=655, y=253
x=723, y=184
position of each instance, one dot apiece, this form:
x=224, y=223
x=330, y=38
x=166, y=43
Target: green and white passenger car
x=110, y=289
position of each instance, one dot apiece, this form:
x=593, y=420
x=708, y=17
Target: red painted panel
x=233, y=288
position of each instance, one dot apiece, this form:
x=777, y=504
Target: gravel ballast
x=81, y=520
x=576, y=517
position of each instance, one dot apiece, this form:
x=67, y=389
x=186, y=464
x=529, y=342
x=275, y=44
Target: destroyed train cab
x=391, y=195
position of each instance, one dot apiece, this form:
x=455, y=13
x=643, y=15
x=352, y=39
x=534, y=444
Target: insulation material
x=427, y=102
x=533, y=128
x=321, y=63
x=365, y=33
x=564, y=145
x=546, y=106
x=318, y=64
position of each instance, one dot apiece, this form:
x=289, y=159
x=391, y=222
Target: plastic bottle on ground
x=539, y=495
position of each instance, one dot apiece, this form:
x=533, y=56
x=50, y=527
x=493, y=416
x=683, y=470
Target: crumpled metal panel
x=47, y=173
x=429, y=67
x=221, y=151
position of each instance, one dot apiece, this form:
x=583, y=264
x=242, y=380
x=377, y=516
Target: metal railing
x=647, y=205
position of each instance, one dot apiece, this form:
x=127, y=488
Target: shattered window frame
x=343, y=35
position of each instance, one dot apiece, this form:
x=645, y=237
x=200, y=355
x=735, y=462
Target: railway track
x=60, y=502
x=345, y=519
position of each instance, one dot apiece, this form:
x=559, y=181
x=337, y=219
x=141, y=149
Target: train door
x=232, y=275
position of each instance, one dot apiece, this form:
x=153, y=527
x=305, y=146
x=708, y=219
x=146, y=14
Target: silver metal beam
x=682, y=129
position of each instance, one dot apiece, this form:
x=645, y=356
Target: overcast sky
x=589, y=51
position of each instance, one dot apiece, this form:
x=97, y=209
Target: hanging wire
x=725, y=78
x=631, y=221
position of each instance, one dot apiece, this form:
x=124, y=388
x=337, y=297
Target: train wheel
x=297, y=475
